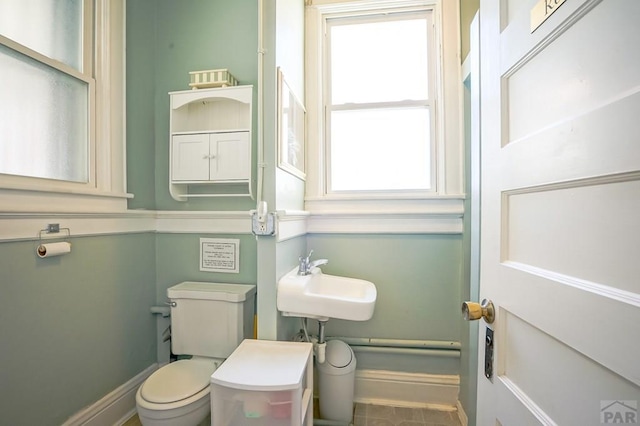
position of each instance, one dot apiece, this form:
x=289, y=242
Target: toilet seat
x=186, y=404
x=178, y=381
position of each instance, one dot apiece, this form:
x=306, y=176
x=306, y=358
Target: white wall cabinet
x=210, y=154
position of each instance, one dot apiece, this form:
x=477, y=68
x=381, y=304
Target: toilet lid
x=177, y=381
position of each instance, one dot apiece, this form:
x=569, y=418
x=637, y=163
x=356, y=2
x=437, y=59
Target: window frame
x=448, y=148
x=103, y=70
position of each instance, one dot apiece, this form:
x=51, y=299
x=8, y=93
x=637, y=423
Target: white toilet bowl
x=177, y=394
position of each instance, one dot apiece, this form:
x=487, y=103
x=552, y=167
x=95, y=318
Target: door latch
x=488, y=354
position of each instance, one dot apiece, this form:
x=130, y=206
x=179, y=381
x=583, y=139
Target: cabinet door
x=190, y=157
x=231, y=156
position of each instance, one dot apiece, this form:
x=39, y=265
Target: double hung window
x=379, y=102
x=62, y=115
x=383, y=99
x=46, y=50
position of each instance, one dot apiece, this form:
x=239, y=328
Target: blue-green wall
x=140, y=99
x=166, y=39
x=76, y=327
x=73, y=328
x=418, y=279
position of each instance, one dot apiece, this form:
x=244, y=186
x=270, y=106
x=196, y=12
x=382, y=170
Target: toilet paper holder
x=42, y=247
x=52, y=228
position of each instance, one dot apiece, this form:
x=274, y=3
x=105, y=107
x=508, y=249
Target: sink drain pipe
x=321, y=346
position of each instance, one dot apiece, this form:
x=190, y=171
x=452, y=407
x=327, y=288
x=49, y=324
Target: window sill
x=433, y=215
x=20, y=199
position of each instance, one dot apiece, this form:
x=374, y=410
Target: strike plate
x=488, y=354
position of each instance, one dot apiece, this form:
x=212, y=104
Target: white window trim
x=450, y=142
x=106, y=190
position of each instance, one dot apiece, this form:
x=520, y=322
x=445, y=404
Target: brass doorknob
x=472, y=311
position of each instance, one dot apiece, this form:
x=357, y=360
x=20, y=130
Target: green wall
x=283, y=38
x=419, y=282
x=140, y=98
x=73, y=328
x=167, y=39
x=76, y=327
x=419, y=277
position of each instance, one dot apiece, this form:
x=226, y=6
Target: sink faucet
x=305, y=266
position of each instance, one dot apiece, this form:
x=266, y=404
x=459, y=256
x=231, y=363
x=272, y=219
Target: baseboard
x=400, y=389
x=115, y=407
x=462, y=416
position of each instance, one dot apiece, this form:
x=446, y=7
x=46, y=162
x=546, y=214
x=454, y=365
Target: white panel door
x=560, y=226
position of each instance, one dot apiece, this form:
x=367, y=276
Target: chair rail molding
x=27, y=226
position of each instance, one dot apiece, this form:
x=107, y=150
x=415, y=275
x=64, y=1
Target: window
x=45, y=90
x=59, y=86
x=379, y=112
x=383, y=106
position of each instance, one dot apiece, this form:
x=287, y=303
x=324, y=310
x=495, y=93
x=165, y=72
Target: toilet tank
x=210, y=319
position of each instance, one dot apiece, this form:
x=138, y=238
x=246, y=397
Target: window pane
x=44, y=120
x=50, y=27
x=379, y=61
x=380, y=149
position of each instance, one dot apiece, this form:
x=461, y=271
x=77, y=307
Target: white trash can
x=336, y=382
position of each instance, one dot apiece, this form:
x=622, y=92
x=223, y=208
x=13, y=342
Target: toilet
x=208, y=322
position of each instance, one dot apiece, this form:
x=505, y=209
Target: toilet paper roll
x=53, y=249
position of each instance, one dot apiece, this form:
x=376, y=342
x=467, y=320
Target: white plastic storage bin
x=264, y=383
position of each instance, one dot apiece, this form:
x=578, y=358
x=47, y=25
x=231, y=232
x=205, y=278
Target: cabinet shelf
x=210, y=143
x=195, y=132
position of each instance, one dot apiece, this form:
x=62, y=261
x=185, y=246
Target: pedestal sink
x=323, y=296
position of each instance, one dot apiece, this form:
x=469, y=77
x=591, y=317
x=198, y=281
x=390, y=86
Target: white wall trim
x=438, y=215
x=214, y=222
x=462, y=416
x=115, y=407
x=25, y=226
x=434, y=391
x=359, y=223
x=291, y=224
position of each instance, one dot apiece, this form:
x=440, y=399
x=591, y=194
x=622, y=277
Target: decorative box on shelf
x=211, y=78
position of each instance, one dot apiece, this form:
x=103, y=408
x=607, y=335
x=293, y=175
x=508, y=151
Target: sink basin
x=323, y=296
